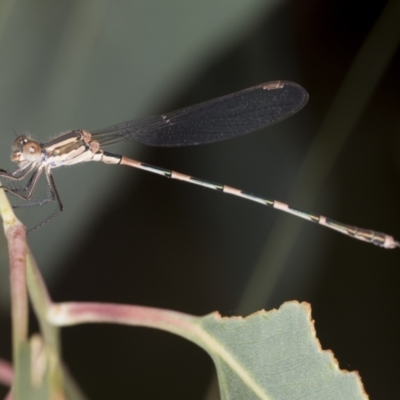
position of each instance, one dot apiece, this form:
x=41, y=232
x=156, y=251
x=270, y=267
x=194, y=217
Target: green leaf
x=275, y=355
x=269, y=355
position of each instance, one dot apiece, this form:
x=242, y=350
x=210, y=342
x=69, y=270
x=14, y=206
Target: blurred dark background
x=127, y=236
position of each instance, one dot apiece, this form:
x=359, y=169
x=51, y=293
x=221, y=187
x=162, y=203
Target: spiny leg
x=54, y=197
x=37, y=203
x=24, y=171
x=25, y=193
x=29, y=186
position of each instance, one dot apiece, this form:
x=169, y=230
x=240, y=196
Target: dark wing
x=219, y=119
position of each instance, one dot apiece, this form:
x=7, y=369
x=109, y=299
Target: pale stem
x=17, y=247
x=71, y=313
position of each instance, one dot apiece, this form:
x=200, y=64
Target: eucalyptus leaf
x=275, y=355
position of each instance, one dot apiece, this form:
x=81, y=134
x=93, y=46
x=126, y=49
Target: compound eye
x=31, y=150
x=19, y=142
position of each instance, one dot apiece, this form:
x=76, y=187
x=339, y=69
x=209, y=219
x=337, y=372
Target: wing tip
x=274, y=85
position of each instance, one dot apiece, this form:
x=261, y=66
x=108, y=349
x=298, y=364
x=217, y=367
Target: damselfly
x=211, y=121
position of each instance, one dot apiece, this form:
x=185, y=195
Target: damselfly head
x=25, y=149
